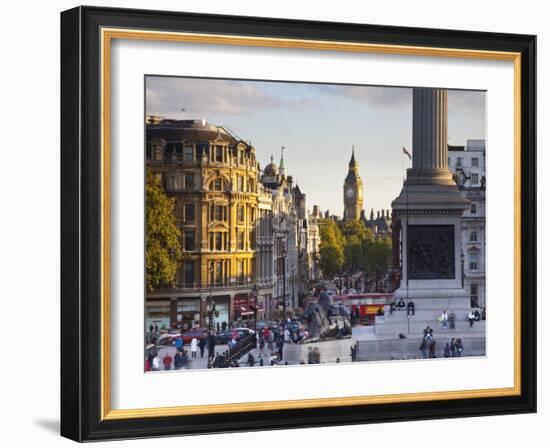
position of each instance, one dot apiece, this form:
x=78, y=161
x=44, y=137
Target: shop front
x=222, y=311
x=188, y=313
x=157, y=315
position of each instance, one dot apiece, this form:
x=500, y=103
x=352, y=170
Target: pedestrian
x=459, y=347
x=151, y=355
x=217, y=327
x=156, y=328
x=167, y=361
x=354, y=353
x=184, y=359
x=177, y=361
x=431, y=348
x=202, y=345
x=471, y=318
x=447, y=350
x=251, y=359
x=452, y=346
x=410, y=309
x=261, y=342
x=424, y=348
x=444, y=318
x=286, y=336
x=179, y=344
x=280, y=345
x=156, y=363
x=452, y=318
x=194, y=348
x=147, y=365
x=151, y=328
x=270, y=341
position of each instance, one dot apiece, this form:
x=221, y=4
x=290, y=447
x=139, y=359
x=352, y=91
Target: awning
x=245, y=311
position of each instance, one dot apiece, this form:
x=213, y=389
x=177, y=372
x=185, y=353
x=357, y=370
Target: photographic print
x=293, y=224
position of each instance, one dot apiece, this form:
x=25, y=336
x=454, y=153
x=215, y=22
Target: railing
x=231, y=356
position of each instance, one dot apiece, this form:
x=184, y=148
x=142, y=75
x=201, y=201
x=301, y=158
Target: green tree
x=353, y=253
x=331, y=250
x=378, y=259
x=162, y=236
x=331, y=259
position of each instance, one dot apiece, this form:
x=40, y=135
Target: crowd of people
x=452, y=349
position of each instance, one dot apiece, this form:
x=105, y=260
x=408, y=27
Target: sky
x=318, y=124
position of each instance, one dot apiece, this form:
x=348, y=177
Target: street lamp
x=284, y=282
x=255, y=305
x=462, y=267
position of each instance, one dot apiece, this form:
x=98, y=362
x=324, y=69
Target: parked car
x=197, y=333
x=167, y=339
x=226, y=336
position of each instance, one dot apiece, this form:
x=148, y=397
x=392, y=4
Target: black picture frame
x=81, y=224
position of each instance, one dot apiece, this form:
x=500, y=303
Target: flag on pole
x=407, y=153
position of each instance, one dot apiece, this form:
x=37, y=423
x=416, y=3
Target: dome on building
x=270, y=169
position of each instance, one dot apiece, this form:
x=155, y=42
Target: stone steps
x=416, y=326
x=377, y=350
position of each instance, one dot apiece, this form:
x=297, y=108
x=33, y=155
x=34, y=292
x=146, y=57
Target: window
x=189, y=213
x=217, y=185
x=475, y=179
x=189, y=181
x=240, y=270
x=217, y=212
x=240, y=240
x=240, y=183
x=188, y=154
x=473, y=236
x=459, y=162
x=158, y=153
x=216, y=241
x=178, y=153
x=241, y=157
x=189, y=272
x=473, y=208
x=240, y=213
x=148, y=151
x=473, y=262
x=474, y=297
x=475, y=162
x=218, y=153
x=189, y=240
x=219, y=271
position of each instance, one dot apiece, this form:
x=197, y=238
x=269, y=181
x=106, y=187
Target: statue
x=330, y=324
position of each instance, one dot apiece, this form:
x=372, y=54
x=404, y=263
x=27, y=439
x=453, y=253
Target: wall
x=29, y=233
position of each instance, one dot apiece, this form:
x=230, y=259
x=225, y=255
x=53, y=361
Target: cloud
x=201, y=97
x=461, y=101
x=373, y=95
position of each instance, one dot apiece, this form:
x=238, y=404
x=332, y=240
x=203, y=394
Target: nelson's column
x=429, y=209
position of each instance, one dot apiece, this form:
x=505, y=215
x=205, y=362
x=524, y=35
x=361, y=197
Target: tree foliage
x=331, y=249
x=378, y=259
x=162, y=236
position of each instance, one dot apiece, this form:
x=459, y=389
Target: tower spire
x=282, y=162
x=352, y=161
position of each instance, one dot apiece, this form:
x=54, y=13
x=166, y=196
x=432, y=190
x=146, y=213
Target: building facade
x=468, y=166
x=212, y=175
x=245, y=232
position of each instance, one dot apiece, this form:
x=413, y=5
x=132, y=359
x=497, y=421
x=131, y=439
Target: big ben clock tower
x=353, y=191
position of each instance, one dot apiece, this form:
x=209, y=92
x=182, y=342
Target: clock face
x=349, y=192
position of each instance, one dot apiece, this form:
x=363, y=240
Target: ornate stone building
x=380, y=225
x=353, y=191
x=220, y=209
x=468, y=166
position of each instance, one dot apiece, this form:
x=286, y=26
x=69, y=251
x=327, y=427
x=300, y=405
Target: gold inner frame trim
x=107, y=35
